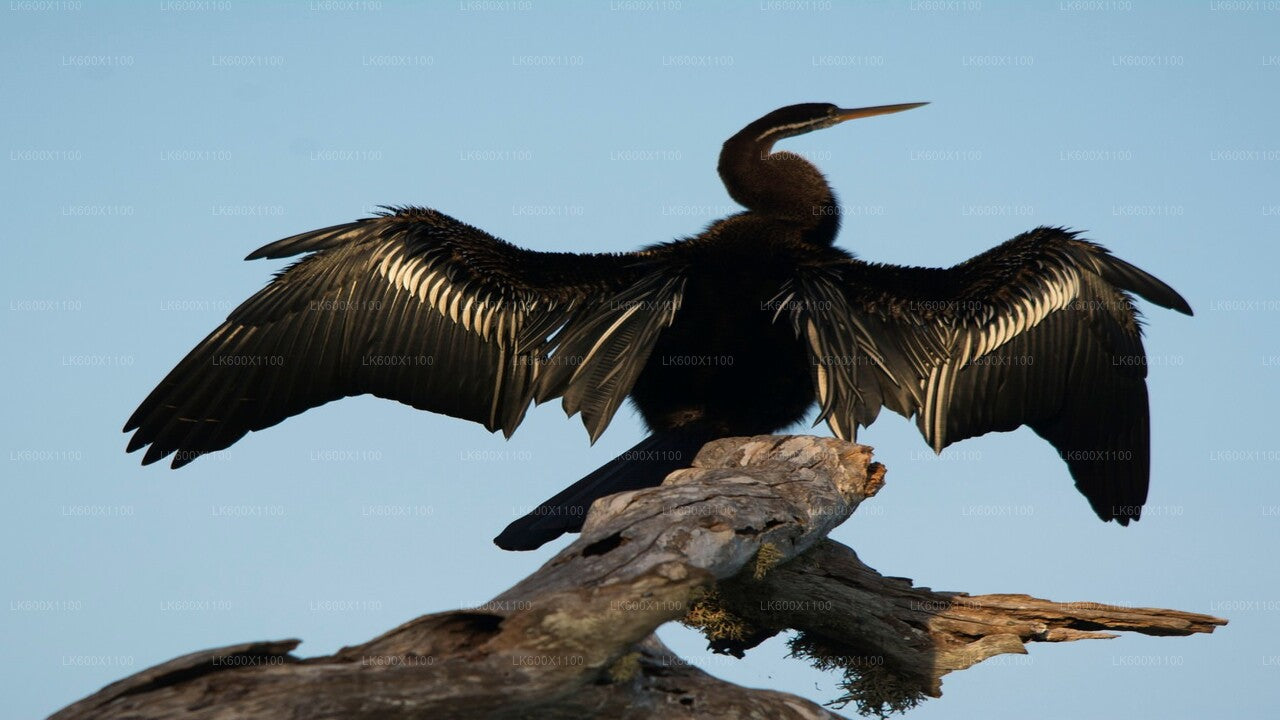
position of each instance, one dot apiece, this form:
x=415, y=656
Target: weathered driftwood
x=735, y=545
x=880, y=628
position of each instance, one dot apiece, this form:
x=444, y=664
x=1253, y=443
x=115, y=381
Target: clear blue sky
x=149, y=147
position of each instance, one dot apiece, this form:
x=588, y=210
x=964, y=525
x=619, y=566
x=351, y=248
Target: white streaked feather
x=393, y=272
x=1054, y=292
x=433, y=291
x=485, y=325
x=937, y=403
x=931, y=405
x=418, y=271
x=1042, y=304
x=930, y=383
x=824, y=382
x=384, y=268
x=442, y=302
x=466, y=314
x=586, y=361
x=1060, y=289
x=421, y=289
x=453, y=307
x=1002, y=330
x=1024, y=316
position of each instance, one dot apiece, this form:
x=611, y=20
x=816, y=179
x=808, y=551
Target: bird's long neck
x=779, y=185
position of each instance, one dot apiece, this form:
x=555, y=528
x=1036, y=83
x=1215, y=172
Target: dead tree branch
x=735, y=545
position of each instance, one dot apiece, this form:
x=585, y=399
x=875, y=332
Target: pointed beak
x=854, y=114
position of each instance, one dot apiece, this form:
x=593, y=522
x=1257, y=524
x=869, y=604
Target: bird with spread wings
x=739, y=330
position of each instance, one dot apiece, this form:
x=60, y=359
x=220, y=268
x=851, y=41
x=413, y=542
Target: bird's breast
x=725, y=360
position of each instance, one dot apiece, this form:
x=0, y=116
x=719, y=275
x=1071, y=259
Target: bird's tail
x=645, y=465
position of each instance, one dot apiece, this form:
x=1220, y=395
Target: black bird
x=736, y=331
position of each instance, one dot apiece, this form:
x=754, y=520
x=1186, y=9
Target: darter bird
x=739, y=330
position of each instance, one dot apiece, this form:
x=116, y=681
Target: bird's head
x=799, y=119
x=784, y=186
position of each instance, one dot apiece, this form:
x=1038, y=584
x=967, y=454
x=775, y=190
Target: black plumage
x=736, y=331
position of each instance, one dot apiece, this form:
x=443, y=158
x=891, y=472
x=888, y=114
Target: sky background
x=148, y=147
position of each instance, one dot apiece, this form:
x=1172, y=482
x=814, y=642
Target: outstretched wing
x=1039, y=331
x=418, y=307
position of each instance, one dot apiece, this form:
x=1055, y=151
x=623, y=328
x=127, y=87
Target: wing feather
x=420, y=308
x=1039, y=331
